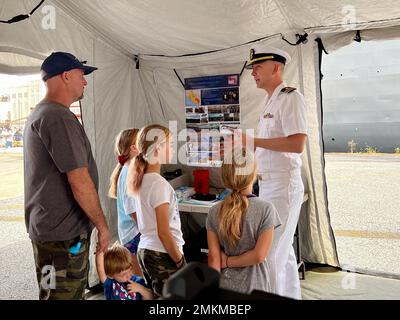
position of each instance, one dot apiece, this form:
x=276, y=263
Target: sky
x=7, y=81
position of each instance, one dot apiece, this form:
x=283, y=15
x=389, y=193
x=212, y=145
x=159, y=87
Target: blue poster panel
x=220, y=96
x=220, y=81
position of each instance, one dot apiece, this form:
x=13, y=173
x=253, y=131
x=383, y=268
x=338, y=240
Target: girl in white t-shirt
x=161, y=244
x=128, y=232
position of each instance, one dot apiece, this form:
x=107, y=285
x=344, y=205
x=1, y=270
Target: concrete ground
x=364, y=204
x=17, y=268
x=348, y=286
x=364, y=200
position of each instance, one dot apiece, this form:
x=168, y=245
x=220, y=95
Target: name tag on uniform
x=268, y=116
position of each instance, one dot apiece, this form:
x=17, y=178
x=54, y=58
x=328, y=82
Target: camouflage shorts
x=62, y=268
x=157, y=267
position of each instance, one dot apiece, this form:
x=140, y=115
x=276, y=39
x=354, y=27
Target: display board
x=212, y=106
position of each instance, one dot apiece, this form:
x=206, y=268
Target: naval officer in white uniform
x=280, y=140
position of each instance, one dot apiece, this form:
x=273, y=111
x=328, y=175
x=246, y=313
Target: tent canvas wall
x=139, y=45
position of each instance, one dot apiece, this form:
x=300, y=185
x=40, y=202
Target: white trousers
x=286, y=194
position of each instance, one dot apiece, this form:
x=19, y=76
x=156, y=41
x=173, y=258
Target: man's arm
x=294, y=143
x=86, y=195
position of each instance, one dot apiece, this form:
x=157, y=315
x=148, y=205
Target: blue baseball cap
x=59, y=62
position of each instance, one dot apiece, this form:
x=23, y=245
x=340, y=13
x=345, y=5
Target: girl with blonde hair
x=240, y=229
x=161, y=245
x=128, y=232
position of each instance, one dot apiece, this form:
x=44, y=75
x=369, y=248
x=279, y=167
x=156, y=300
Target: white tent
x=140, y=46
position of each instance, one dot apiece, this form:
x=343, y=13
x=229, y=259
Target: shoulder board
x=288, y=89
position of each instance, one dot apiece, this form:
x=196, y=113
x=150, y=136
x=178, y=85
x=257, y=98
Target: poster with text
x=212, y=110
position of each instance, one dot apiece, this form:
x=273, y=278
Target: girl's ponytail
x=123, y=142
x=147, y=140
x=233, y=209
x=231, y=215
x=136, y=171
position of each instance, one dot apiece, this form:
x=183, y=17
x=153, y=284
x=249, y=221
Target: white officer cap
x=260, y=53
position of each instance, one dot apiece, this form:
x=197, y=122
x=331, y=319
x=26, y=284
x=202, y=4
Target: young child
x=161, y=243
x=128, y=231
x=114, y=268
x=240, y=231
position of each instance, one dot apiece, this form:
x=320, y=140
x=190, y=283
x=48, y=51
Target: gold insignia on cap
x=252, y=54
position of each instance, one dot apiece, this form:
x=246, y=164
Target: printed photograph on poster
x=201, y=157
x=233, y=80
x=212, y=159
x=220, y=96
x=192, y=98
x=215, y=117
x=215, y=157
x=202, y=129
x=216, y=145
x=231, y=113
x=214, y=109
x=228, y=129
x=201, y=109
x=196, y=118
x=197, y=146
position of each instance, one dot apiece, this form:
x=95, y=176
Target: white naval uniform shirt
x=284, y=114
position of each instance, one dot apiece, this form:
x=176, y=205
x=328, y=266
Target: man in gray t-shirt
x=61, y=182
x=55, y=144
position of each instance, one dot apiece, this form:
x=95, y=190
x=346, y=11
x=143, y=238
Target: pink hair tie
x=122, y=159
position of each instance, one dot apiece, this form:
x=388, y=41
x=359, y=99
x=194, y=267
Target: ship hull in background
x=361, y=97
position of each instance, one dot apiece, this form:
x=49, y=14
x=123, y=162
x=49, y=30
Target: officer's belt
x=281, y=174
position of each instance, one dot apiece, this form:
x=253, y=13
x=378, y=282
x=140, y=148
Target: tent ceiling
x=18, y=60
x=177, y=27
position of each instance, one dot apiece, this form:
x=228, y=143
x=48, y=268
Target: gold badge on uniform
x=268, y=116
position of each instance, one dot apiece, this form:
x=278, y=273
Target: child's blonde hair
x=236, y=177
x=123, y=142
x=148, y=140
x=117, y=259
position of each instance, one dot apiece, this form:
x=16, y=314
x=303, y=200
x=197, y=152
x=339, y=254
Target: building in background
x=18, y=97
x=23, y=99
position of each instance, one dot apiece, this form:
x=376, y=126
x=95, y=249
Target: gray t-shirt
x=54, y=144
x=260, y=216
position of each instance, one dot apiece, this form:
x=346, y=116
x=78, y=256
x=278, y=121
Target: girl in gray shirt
x=240, y=231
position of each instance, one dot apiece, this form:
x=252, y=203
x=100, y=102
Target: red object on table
x=201, y=181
